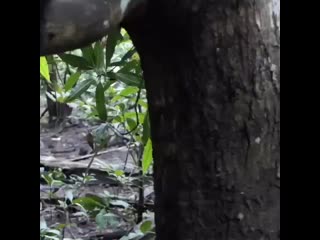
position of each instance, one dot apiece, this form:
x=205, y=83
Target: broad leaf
x=132, y=65
x=88, y=54
x=119, y=173
x=112, y=40
x=129, y=78
x=101, y=103
x=105, y=219
x=108, y=84
x=147, y=156
x=128, y=91
x=99, y=55
x=143, y=103
x=131, y=123
x=90, y=203
x=128, y=55
x=80, y=89
x=44, y=68
x=146, y=227
x=132, y=115
x=72, y=80
x=76, y=61
x=146, y=129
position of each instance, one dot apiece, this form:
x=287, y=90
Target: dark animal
x=43, y=38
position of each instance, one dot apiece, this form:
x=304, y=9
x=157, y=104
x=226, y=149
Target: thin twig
x=90, y=163
x=136, y=111
x=127, y=156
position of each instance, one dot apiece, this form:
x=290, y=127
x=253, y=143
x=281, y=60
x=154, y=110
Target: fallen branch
x=76, y=159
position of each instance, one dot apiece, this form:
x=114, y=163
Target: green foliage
x=146, y=227
x=72, y=80
x=146, y=129
x=105, y=220
x=44, y=68
x=91, y=204
x=104, y=80
x=113, y=38
x=145, y=231
x=129, y=79
x=147, y=156
x=51, y=181
x=76, y=61
x=101, y=102
x=50, y=234
x=79, y=90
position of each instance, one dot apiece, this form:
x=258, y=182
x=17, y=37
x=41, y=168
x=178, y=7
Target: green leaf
x=129, y=79
x=116, y=98
x=56, y=183
x=127, y=67
x=117, y=119
x=131, y=123
x=48, y=178
x=112, y=40
x=76, y=61
x=101, y=103
x=132, y=115
x=44, y=68
x=119, y=173
x=51, y=233
x=108, y=84
x=88, y=54
x=147, y=156
x=121, y=106
x=125, y=35
x=143, y=103
x=61, y=226
x=101, y=136
x=81, y=88
x=124, y=93
x=72, y=80
x=123, y=60
x=101, y=219
x=90, y=203
x=105, y=219
x=128, y=91
x=116, y=64
x=128, y=55
x=99, y=55
x=146, y=227
x=146, y=129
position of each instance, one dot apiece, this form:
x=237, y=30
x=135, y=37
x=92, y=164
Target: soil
x=67, y=148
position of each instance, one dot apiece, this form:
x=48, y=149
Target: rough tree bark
x=212, y=71
x=212, y=75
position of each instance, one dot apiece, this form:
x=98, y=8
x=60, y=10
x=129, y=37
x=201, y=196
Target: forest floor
x=67, y=149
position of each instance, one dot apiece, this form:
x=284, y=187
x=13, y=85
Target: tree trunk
x=212, y=75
